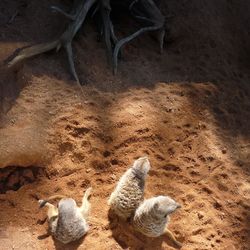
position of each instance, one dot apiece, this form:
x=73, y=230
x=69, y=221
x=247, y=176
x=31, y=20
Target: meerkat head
x=141, y=165
x=67, y=207
x=164, y=205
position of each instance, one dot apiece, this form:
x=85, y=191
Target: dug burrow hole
x=12, y=178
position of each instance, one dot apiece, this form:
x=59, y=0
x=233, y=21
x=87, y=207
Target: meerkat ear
x=156, y=206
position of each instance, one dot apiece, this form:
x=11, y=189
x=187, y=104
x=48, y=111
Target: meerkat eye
x=165, y=216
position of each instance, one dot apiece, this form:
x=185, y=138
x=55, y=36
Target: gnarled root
x=77, y=17
x=143, y=10
x=147, y=11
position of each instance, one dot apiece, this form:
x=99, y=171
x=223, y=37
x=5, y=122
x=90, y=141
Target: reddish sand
x=188, y=110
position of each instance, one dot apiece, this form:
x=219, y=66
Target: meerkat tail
x=85, y=207
x=33, y=51
x=172, y=237
x=42, y=203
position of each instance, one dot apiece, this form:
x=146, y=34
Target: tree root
x=143, y=10
x=77, y=16
x=149, y=13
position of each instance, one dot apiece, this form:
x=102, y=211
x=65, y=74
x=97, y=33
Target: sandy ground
x=188, y=110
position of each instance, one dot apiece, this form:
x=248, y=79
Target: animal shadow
x=60, y=246
x=70, y=246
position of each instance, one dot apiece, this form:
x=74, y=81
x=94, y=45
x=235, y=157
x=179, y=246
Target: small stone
x=88, y=170
x=114, y=162
x=200, y=215
x=9, y=192
x=3, y=174
x=22, y=180
x=79, y=105
x=113, y=176
x=106, y=153
x=224, y=151
x=28, y=174
x=13, y=180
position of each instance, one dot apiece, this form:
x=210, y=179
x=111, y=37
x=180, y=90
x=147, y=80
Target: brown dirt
x=188, y=110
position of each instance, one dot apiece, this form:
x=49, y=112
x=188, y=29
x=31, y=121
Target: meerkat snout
x=165, y=204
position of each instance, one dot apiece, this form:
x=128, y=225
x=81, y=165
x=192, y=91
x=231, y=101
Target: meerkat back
x=152, y=215
x=129, y=191
x=70, y=224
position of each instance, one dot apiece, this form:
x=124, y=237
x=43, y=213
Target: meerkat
x=152, y=216
x=68, y=222
x=129, y=192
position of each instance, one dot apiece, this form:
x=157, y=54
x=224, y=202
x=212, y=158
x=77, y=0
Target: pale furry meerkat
x=68, y=222
x=129, y=192
x=152, y=216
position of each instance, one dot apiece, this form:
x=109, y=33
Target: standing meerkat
x=152, y=216
x=68, y=222
x=129, y=191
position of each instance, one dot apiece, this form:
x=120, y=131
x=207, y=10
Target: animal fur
x=152, y=216
x=68, y=222
x=129, y=192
